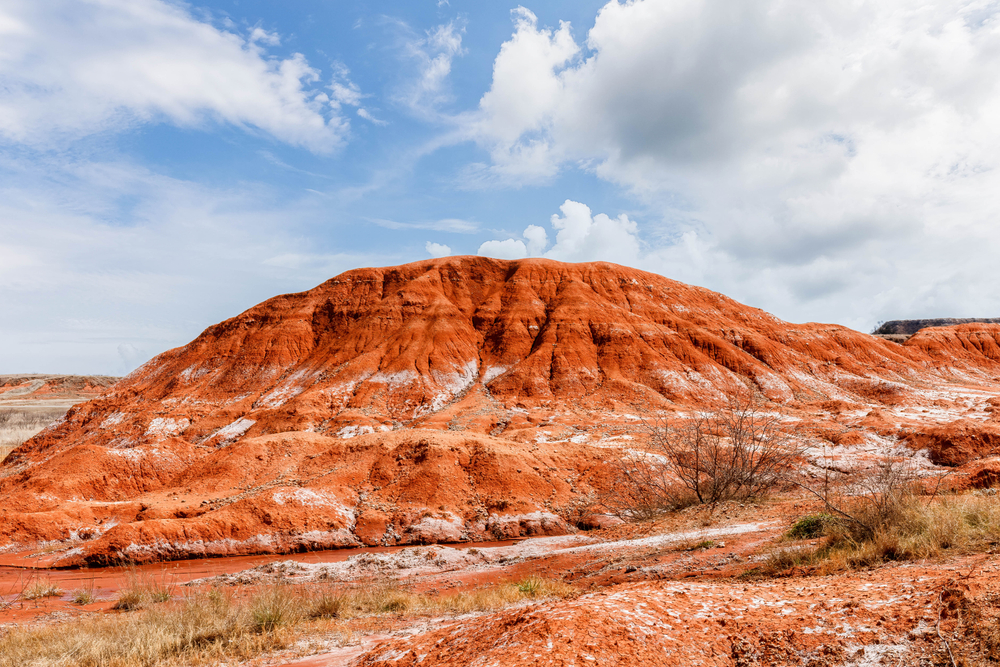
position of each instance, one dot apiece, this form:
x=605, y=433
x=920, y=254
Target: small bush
x=531, y=586
x=809, y=527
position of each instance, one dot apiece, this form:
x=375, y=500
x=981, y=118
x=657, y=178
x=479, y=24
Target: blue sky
x=166, y=165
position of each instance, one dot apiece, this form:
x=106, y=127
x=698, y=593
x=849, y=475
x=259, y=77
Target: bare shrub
x=739, y=451
x=863, y=504
x=578, y=511
x=643, y=487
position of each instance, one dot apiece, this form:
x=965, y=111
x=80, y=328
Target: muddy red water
x=19, y=571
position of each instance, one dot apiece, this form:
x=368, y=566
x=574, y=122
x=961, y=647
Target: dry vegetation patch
x=142, y=589
x=40, y=588
x=911, y=527
x=19, y=424
x=220, y=625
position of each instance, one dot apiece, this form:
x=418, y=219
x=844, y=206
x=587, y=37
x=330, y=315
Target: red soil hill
x=246, y=439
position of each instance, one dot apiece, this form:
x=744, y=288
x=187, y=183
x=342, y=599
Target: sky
x=167, y=165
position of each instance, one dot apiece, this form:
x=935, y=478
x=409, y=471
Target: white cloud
x=536, y=239
x=453, y=225
x=437, y=249
x=342, y=89
x=72, y=68
x=506, y=249
x=580, y=237
x=517, y=111
x=258, y=34
x=834, y=160
x=433, y=54
x=367, y=116
x=583, y=237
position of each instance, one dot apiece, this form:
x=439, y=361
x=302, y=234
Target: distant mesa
x=30, y=402
x=43, y=387
x=896, y=328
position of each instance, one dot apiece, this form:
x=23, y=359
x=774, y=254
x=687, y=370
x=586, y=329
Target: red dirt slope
x=189, y=454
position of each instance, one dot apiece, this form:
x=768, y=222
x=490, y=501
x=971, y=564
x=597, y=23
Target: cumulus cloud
x=437, y=249
x=506, y=249
x=580, y=237
x=839, y=160
x=536, y=239
x=517, y=113
x=72, y=68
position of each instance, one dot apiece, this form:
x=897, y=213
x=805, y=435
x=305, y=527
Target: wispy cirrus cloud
x=432, y=53
x=454, y=225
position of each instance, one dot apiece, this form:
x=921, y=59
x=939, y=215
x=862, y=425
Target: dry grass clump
x=142, y=589
x=83, y=596
x=216, y=626
x=40, y=588
x=921, y=529
x=910, y=528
